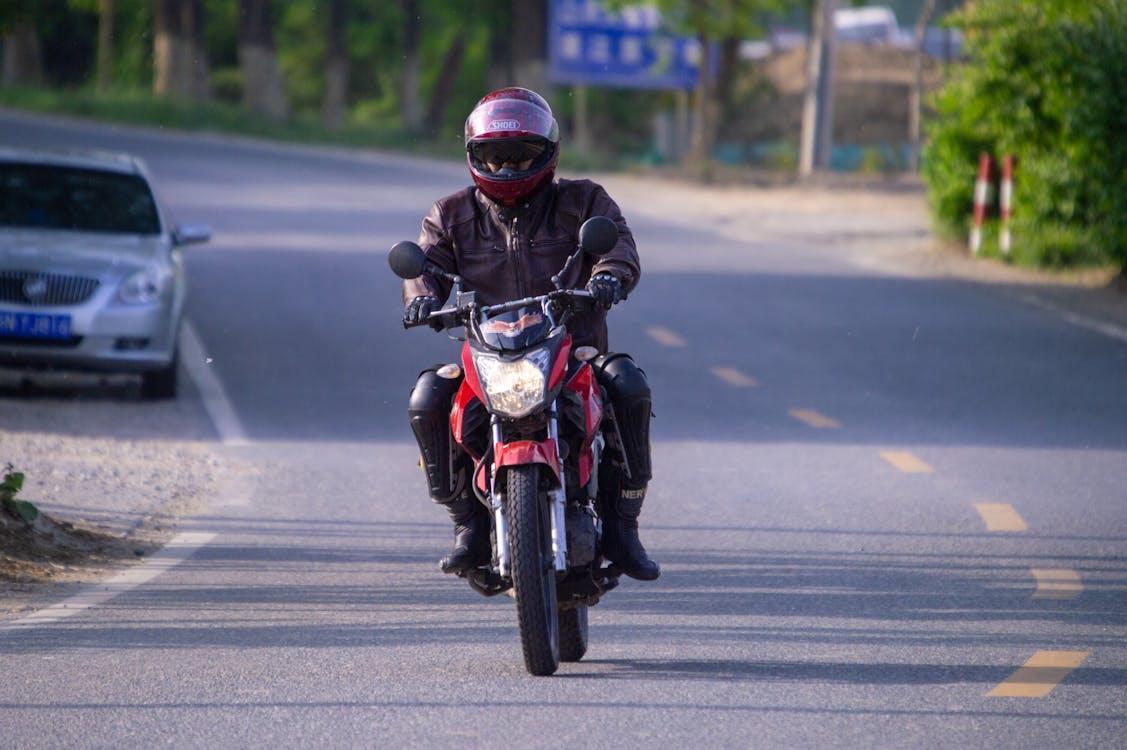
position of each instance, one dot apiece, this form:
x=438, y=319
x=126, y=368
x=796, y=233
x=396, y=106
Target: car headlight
x=143, y=287
x=517, y=388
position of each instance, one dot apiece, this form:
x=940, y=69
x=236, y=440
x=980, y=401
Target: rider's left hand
x=606, y=289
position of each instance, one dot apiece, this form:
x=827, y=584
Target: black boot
x=621, y=544
x=472, y=548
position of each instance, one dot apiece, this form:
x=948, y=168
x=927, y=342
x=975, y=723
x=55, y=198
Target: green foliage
x=142, y=107
x=1045, y=83
x=9, y=488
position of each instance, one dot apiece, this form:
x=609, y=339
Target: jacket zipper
x=517, y=258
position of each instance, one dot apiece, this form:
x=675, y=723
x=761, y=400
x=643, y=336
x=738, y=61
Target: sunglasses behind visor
x=500, y=152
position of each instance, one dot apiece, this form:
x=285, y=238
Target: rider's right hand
x=419, y=308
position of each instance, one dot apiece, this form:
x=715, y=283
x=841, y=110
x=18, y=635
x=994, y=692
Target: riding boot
x=472, y=548
x=621, y=544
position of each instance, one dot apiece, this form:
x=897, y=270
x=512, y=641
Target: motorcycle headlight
x=143, y=287
x=517, y=388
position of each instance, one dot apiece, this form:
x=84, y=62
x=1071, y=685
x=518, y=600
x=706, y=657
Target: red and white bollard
x=1005, y=199
x=981, y=196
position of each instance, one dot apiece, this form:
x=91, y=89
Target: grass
x=143, y=108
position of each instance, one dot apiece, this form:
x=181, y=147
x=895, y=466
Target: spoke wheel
x=534, y=579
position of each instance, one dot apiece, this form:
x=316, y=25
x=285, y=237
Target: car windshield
x=84, y=200
x=516, y=329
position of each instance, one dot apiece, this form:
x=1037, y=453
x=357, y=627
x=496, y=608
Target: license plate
x=34, y=325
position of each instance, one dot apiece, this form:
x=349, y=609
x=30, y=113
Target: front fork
x=557, y=503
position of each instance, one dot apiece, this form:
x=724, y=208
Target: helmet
x=512, y=126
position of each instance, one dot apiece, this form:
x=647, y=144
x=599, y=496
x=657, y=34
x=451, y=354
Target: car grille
x=45, y=289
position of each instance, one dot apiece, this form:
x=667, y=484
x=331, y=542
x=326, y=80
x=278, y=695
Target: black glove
x=419, y=308
x=606, y=289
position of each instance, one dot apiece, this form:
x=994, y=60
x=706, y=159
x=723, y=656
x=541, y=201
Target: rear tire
x=534, y=577
x=573, y=633
x=160, y=385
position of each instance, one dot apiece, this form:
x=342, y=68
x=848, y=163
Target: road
x=876, y=499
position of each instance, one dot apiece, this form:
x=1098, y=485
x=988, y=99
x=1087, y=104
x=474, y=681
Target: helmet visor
x=497, y=152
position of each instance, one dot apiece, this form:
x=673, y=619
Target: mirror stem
x=557, y=280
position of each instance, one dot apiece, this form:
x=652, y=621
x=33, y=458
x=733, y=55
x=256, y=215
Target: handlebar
x=449, y=317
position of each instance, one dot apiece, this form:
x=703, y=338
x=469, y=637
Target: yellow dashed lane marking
x=814, y=419
x=1057, y=583
x=666, y=337
x=907, y=462
x=734, y=377
x=1000, y=517
x=1038, y=676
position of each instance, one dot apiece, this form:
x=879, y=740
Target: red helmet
x=514, y=129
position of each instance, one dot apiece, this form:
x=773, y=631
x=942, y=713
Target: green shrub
x=1045, y=83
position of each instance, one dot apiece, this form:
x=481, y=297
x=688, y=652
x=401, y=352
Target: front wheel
x=534, y=576
x=160, y=385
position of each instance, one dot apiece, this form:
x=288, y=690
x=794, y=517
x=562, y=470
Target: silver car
x=91, y=276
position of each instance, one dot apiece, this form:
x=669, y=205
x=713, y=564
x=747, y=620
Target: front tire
x=534, y=577
x=160, y=385
x=573, y=633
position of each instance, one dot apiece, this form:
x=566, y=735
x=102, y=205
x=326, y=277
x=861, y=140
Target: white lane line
x=666, y=337
x=175, y=552
x=214, y=396
x=1092, y=324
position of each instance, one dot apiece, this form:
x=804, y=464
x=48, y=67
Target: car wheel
x=161, y=384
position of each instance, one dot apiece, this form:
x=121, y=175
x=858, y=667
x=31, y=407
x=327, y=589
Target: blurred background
x=718, y=90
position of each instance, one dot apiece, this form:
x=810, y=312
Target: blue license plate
x=34, y=325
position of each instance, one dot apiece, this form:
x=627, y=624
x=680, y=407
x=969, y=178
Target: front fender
x=524, y=452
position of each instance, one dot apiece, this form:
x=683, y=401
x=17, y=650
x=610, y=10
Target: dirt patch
x=49, y=550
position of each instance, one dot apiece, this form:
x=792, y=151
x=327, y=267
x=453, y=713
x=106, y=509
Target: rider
x=506, y=236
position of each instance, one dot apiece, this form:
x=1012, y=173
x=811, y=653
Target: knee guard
x=629, y=394
x=429, y=412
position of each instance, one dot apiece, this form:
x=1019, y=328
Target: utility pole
x=817, y=110
x=915, y=95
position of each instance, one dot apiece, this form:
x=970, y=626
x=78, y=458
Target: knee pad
x=629, y=394
x=429, y=412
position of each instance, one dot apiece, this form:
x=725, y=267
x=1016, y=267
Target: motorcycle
x=518, y=371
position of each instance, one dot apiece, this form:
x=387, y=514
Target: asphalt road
x=876, y=499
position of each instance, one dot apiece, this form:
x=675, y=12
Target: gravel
x=101, y=461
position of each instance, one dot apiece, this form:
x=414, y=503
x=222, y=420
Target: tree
x=335, y=103
x=530, y=43
x=412, y=108
x=444, y=84
x=499, y=20
x=712, y=22
x=264, y=90
x=105, y=43
x=180, y=67
x=1044, y=82
x=23, y=51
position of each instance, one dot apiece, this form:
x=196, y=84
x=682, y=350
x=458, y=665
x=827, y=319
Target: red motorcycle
x=519, y=372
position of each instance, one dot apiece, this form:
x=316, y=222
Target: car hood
x=77, y=252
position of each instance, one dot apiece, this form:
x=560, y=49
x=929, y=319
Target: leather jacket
x=505, y=253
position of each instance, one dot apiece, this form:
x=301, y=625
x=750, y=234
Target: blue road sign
x=588, y=45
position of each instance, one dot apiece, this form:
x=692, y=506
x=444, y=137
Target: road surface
x=876, y=499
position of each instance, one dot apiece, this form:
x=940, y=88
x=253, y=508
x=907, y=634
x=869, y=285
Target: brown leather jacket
x=507, y=253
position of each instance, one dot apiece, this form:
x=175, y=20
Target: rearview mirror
x=407, y=260
x=190, y=234
x=598, y=235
